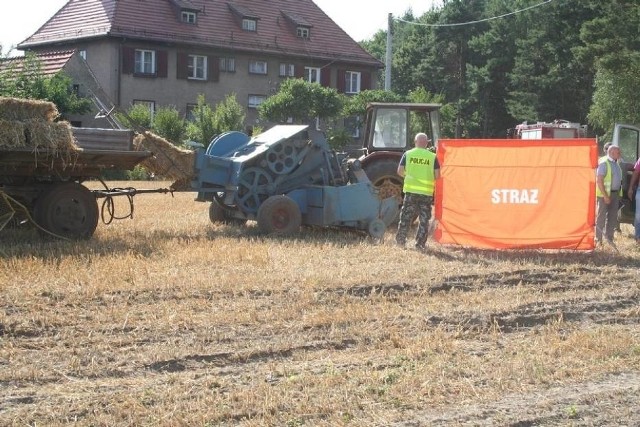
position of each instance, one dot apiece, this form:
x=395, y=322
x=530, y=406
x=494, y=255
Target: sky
x=361, y=19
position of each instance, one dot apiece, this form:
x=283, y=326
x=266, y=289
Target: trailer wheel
x=383, y=174
x=68, y=210
x=279, y=215
x=218, y=214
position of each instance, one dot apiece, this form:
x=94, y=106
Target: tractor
x=387, y=135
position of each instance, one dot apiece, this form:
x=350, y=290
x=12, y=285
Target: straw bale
x=54, y=136
x=25, y=109
x=11, y=134
x=168, y=160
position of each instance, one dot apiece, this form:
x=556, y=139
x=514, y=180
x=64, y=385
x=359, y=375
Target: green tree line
x=558, y=59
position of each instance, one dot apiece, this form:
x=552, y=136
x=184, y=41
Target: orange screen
x=516, y=193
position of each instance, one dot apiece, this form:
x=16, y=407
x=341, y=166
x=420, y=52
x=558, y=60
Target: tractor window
x=628, y=142
x=390, y=128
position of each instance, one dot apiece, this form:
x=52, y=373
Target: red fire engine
x=542, y=130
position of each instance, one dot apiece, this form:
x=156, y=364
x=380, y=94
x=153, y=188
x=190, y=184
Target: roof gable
x=217, y=26
x=51, y=62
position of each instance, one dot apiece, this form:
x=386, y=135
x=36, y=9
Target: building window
x=83, y=54
x=352, y=82
x=228, y=65
x=302, y=32
x=312, y=74
x=287, y=70
x=352, y=124
x=197, y=67
x=256, y=100
x=190, y=112
x=258, y=67
x=151, y=106
x=249, y=24
x=188, y=17
x=145, y=61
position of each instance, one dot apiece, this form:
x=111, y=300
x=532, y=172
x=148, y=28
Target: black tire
x=68, y=209
x=383, y=174
x=279, y=215
x=218, y=214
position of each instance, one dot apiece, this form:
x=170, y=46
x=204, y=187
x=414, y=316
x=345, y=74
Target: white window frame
x=254, y=101
x=352, y=81
x=312, y=74
x=145, y=61
x=228, y=65
x=258, y=67
x=249, y=24
x=83, y=54
x=303, y=32
x=197, y=67
x=287, y=70
x=151, y=105
x=188, y=17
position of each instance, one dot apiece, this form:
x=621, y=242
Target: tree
x=228, y=115
x=202, y=128
x=301, y=101
x=612, y=48
x=168, y=123
x=207, y=122
x=28, y=81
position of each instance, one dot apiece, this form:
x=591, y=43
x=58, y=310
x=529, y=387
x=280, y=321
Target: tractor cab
x=388, y=125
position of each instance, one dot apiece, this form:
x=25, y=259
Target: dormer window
x=302, y=32
x=188, y=17
x=249, y=24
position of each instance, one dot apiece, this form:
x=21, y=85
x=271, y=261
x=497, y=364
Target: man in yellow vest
x=420, y=169
x=608, y=193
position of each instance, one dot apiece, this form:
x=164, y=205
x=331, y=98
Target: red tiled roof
x=217, y=26
x=51, y=62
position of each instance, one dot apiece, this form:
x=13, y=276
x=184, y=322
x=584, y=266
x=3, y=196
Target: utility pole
x=387, y=69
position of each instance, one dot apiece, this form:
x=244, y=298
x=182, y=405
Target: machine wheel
x=383, y=174
x=68, y=210
x=218, y=214
x=254, y=187
x=279, y=215
x=377, y=228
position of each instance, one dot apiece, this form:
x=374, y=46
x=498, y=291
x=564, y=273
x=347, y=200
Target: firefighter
x=608, y=193
x=419, y=167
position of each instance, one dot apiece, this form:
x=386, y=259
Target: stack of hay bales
x=168, y=161
x=26, y=123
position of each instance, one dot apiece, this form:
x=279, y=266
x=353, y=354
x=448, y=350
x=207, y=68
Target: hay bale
x=54, y=136
x=11, y=134
x=25, y=109
x=168, y=160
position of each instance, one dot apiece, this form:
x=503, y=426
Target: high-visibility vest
x=607, y=179
x=419, y=171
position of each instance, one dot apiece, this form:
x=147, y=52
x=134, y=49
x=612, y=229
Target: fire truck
x=542, y=130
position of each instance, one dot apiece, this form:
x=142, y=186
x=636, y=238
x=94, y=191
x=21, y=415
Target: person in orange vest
x=608, y=193
x=420, y=169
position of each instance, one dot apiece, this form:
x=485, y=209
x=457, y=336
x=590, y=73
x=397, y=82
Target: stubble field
x=169, y=320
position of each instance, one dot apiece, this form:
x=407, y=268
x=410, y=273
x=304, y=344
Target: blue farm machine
x=286, y=177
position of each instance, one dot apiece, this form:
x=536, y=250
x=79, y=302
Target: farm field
x=169, y=320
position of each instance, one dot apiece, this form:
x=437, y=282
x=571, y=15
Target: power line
x=475, y=22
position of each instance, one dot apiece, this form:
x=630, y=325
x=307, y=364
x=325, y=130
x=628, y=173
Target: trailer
x=48, y=181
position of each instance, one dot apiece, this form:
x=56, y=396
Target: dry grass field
x=169, y=320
